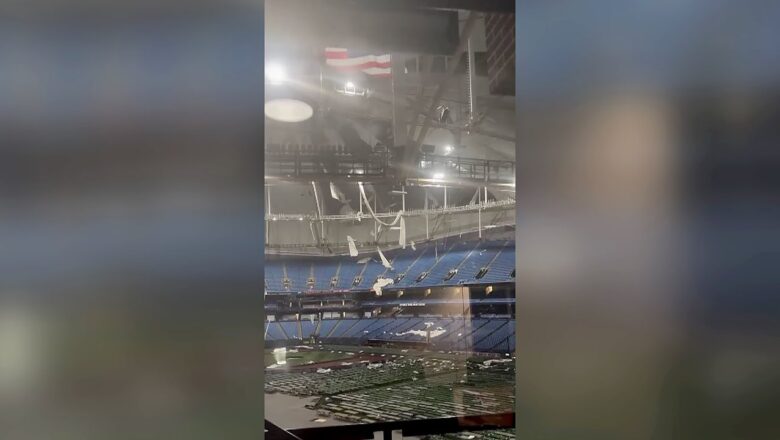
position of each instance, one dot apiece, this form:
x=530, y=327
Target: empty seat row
x=428, y=266
x=461, y=334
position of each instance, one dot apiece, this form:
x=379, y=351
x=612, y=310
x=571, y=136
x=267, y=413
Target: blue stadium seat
x=274, y=274
x=307, y=328
x=461, y=334
x=273, y=332
x=324, y=270
x=467, y=256
x=290, y=329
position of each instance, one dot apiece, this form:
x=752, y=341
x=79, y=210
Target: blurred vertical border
x=131, y=219
x=648, y=224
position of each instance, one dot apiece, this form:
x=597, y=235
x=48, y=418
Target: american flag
x=351, y=61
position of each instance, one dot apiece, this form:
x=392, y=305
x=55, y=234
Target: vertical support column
x=479, y=213
x=479, y=219
x=425, y=206
x=470, y=54
x=376, y=224
x=268, y=223
x=445, y=197
x=400, y=128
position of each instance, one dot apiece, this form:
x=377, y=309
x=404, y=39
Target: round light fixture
x=288, y=110
x=275, y=74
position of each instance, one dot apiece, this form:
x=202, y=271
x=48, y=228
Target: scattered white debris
x=372, y=366
x=346, y=363
x=495, y=361
x=380, y=283
x=434, y=333
x=324, y=370
x=321, y=420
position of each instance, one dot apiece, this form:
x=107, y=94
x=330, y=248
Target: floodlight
x=438, y=175
x=288, y=110
x=275, y=73
x=447, y=149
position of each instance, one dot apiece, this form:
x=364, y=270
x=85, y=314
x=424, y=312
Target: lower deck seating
x=454, y=333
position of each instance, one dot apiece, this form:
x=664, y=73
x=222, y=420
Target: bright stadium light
x=438, y=175
x=447, y=149
x=275, y=73
x=350, y=88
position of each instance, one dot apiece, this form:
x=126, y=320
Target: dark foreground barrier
x=407, y=428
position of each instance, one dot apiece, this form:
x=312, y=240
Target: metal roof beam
x=414, y=145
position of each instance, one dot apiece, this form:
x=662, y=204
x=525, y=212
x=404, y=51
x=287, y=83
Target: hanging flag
x=355, y=61
x=352, y=248
x=385, y=263
x=412, y=244
x=337, y=194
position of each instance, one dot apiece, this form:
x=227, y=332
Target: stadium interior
x=389, y=220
